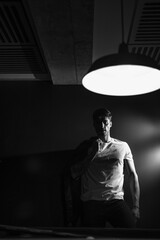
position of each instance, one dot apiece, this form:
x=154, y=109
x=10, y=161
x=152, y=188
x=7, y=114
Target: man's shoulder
x=118, y=141
x=120, y=144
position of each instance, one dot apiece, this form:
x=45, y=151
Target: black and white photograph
x=80, y=119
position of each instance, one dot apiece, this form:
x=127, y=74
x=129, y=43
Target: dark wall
x=32, y=189
x=39, y=118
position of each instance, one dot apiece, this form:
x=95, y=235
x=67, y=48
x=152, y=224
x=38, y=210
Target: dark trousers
x=116, y=212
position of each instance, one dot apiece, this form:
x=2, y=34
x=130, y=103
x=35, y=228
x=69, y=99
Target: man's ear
x=111, y=124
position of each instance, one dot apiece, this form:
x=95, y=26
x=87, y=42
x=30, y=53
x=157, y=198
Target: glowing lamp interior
x=122, y=80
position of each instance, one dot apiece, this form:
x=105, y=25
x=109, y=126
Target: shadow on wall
x=31, y=189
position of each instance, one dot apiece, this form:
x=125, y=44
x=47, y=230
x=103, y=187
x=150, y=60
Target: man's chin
x=102, y=134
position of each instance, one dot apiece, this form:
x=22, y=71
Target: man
x=101, y=173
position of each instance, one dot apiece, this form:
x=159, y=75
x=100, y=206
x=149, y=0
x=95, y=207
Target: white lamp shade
x=122, y=80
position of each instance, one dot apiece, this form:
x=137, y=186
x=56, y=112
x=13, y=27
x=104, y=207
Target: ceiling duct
x=144, y=37
x=21, y=56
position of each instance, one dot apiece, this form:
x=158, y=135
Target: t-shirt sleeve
x=128, y=153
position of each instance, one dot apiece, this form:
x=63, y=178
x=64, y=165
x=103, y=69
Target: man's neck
x=105, y=139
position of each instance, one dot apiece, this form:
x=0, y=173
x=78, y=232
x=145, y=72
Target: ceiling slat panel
x=20, y=52
x=145, y=31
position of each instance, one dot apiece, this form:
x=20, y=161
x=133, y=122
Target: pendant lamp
x=123, y=73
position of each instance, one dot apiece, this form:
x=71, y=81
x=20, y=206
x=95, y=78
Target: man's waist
x=95, y=195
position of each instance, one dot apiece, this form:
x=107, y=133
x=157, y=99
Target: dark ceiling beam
x=65, y=30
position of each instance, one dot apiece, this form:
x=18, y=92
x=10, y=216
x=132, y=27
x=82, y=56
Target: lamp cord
x=132, y=21
x=122, y=21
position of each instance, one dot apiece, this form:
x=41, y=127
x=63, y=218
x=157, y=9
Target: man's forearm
x=135, y=190
x=78, y=169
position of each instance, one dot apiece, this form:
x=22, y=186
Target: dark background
x=40, y=125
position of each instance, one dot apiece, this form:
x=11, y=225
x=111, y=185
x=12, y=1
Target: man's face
x=102, y=126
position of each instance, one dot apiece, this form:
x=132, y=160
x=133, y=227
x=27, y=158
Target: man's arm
x=134, y=187
x=78, y=168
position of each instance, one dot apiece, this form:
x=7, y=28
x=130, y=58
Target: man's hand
x=136, y=212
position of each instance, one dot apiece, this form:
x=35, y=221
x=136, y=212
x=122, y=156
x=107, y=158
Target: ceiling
x=52, y=40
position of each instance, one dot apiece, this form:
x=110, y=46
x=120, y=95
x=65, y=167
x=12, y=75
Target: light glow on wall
x=143, y=135
x=137, y=128
x=150, y=163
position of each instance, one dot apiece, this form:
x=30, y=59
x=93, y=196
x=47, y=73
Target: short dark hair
x=101, y=112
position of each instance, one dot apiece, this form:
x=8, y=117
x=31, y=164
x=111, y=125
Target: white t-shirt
x=104, y=177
